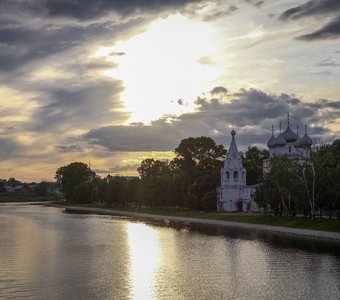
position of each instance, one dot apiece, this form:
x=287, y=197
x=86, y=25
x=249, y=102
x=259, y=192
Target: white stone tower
x=233, y=194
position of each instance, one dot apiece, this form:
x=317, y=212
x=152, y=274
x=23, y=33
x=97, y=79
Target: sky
x=115, y=82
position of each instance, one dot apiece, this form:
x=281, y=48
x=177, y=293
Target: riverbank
x=205, y=220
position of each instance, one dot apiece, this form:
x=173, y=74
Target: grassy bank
x=16, y=197
x=291, y=222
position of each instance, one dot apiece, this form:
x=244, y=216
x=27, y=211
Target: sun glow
x=144, y=259
x=163, y=65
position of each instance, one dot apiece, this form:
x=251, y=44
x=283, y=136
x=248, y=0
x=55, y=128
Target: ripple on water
x=49, y=255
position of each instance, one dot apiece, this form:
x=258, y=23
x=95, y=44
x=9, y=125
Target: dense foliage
x=291, y=187
x=189, y=181
x=76, y=180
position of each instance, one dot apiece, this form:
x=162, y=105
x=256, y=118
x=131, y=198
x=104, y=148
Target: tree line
x=292, y=187
x=189, y=181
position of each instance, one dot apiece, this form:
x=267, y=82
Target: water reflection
x=144, y=259
x=46, y=254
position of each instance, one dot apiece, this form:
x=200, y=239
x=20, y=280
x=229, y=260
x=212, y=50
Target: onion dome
x=289, y=135
x=280, y=140
x=298, y=143
x=271, y=141
x=306, y=140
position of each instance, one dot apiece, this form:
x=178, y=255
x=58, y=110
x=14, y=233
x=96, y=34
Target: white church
x=234, y=195
x=289, y=144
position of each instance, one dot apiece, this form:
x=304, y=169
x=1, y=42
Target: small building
x=234, y=195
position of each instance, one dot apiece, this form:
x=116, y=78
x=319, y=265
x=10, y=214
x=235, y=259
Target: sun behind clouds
x=172, y=59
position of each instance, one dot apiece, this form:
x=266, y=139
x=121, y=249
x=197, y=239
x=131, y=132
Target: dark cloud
x=312, y=8
x=21, y=45
x=251, y=112
x=69, y=149
x=79, y=105
x=218, y=90
x=33, y=30
x=317, y=8
x=329, y=31
x=157, y=137
x=88, y=9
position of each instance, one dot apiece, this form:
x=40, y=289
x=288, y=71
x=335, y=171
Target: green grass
x=15, y=197
x=292, y=222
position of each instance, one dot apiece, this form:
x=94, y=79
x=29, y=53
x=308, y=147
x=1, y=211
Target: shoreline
x=165, y=219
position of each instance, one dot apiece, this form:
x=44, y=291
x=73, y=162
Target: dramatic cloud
x=80, y=106
x=85, y=9
x=32, y=30
x=312, y=8
x=251, y=112
x=315, y=8
x=76, y=77
x=329, y=31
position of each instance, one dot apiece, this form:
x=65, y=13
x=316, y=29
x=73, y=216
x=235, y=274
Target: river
x=48, y=254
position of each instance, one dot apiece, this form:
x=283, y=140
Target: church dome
x=306, y=140
x=297, y=143
x=280, y=140
x=271, y=142
x=289, y=135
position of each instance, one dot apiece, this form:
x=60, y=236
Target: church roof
x=289, y=135
x=233, y=151
x=233, y=158
x=271, y=142
x=280, y=140
x=297, y=143
x=306, y=140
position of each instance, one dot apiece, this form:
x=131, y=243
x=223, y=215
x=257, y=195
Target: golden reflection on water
x=144, y=252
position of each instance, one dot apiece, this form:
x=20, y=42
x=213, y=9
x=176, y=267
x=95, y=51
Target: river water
x=48, y=254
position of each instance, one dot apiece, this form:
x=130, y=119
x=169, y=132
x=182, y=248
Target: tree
x=280, y=183
x=198, y=161
x=252, y=160
x=116, y=190
x=307, y=177
x=326, y=161
x=72, y=175
x=41, y=188
x=201, y=154
x=83, y=192
x=152, y=167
